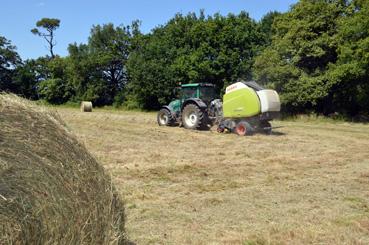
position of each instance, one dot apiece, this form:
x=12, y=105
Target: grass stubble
x=306, y=184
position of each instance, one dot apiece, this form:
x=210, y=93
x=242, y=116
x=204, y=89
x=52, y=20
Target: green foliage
x=26, y=80
x=43, y=79
x=266, y=26
x=9, y=60
x=213, y=49
x=54, y=91
x=119, y=99
x=97, y=69
x=315, y=56
x=311, y=61
x=50, y=25
x=349, y=76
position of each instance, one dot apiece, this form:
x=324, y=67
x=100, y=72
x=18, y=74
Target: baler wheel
x=220, y=129
x=243, y=128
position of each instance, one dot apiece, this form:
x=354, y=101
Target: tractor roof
x=197, y=85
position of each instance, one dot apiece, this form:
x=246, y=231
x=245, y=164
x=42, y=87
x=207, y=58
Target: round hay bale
x=52, y=191
x=86, y=106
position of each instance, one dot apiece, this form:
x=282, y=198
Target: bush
x=54, y=91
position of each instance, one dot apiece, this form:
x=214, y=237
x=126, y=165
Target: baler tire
x=165, y=118
x=194, y=118
x=243, y=128
x=220, y=129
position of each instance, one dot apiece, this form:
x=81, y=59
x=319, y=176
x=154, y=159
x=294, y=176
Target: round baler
x=246, y=108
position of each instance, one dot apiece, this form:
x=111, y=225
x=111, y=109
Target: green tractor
x=191, y=109
x=247, y=108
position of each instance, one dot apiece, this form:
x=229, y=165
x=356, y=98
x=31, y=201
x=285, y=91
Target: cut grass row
x=307, y=184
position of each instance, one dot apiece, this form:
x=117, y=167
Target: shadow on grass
x=277, y=133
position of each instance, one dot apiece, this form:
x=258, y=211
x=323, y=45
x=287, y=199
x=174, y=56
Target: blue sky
x=18, y=17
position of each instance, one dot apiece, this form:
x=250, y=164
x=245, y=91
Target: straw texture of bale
x=52, y=191
x=86, y=106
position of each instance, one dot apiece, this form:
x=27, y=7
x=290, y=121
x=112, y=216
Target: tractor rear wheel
x=165, y=118
x=243, y=128
x=193, y=117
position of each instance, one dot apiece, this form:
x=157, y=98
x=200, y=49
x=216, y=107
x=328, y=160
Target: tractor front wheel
x=165, y=118
x=193, y=117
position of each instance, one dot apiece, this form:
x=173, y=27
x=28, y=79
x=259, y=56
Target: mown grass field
x=307, y=183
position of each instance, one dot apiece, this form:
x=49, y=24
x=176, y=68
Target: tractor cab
x=187, y=92
x=204, y=91
x=190, y=107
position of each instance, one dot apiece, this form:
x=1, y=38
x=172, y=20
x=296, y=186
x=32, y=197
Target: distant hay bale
x=52, y=191
x=86, y=106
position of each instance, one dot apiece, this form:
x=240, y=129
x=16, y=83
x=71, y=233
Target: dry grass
x=52, y=191
x=307, y=184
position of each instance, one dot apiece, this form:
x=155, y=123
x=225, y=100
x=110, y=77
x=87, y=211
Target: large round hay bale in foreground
x=52, y=191
x=86, y=106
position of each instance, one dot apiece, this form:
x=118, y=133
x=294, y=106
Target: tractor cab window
x=190, y=92
x=207, y=94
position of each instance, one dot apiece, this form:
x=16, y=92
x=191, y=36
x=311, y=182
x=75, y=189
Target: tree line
x=316, y=56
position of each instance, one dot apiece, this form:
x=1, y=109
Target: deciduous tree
x=9, y=60
x=191, y=49
x=303, y=48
